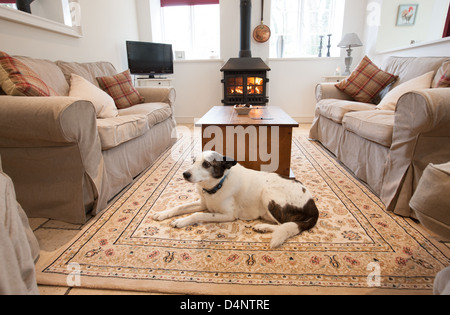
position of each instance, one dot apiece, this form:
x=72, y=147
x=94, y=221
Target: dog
x=230, y=191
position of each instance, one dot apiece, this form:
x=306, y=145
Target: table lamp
x=349, y=41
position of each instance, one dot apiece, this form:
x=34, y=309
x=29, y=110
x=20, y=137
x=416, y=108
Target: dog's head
x=208, y=165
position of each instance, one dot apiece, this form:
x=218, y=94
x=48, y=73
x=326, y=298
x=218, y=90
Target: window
x=192, y=26
x=8, y=3
x=298, y=24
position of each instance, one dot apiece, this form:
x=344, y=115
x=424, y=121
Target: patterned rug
x=355, y=245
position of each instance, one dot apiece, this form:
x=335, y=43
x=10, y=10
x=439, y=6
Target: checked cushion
x=366, y=81
x=444, y=81
x=121, y=89
x=17, y=79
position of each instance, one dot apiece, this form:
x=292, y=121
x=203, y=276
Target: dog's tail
x=293, y=220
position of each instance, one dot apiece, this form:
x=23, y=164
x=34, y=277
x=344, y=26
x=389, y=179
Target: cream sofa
x=388, y=149
x=65, y=162
x=19, y=247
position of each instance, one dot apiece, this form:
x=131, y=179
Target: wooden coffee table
x=249, y=139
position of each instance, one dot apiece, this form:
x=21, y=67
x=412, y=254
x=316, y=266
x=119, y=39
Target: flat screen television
x=149, y=58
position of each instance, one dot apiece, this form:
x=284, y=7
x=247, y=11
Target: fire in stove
x=254, y=85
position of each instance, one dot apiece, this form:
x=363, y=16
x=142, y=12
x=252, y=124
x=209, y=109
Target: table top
x=259, y=115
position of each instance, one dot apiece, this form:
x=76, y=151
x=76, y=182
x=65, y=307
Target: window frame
x=336, y=21
x=192, y=34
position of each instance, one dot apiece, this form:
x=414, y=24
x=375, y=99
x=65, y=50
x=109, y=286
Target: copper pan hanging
x=261, y=33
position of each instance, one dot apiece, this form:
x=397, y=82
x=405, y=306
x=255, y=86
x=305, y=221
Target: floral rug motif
x=356, y=243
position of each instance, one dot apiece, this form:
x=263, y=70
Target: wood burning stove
x=245, y=81
x=245, y=78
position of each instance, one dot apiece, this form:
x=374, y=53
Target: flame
x=254, y=85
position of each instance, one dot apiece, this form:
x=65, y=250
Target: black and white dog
x=230, y=191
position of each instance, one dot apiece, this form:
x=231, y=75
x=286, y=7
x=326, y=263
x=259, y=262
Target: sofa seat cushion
x=374, y=125
x=155, y=112
x=336, y=109
x=131, y=123
x=117, y=130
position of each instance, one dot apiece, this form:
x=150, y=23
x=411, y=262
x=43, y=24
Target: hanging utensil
x=262, y=33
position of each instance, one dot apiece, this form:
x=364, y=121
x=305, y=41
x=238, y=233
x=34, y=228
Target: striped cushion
x=366, y=81
x=445, y=79
x=121, y=89
x=19, y=80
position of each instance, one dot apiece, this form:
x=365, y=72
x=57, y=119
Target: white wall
x=429, y=24
x=106, y=24
x=372, y=32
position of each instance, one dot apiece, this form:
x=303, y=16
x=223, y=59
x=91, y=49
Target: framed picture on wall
x=407, y=14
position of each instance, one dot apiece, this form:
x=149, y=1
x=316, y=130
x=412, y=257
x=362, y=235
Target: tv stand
x=152, y=76
x=155, y=82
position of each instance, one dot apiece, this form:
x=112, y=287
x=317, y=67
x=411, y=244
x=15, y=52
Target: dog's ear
x=228, y=162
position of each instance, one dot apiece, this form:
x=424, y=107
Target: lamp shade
x=350, y=40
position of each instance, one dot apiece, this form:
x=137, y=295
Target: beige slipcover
x=64, y=161
x=19, y=248
x=431, y=200
x=388, y=150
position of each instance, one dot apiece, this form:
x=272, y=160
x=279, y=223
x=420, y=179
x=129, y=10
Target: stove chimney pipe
x=246, y=12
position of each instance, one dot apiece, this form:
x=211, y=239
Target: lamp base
x=348, y=61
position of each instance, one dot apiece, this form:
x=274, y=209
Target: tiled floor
x=53, y=235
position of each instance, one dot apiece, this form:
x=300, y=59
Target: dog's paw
x=263, y=228
x=276, y=242
x=180, y=223
x=160, y=216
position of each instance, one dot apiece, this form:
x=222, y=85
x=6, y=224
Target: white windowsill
x=37, y=21
x=197, y=60
x=305, y=59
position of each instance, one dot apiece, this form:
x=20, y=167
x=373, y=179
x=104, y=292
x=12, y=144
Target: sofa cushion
x=117, y=130
x=90, y=71
x=155, y=112
x=407, y=68
x=389, y=102
x=18, y=79
x=443, y=76
x=121, y=89
x=103, y=103
x=131, y=123
x=49, y=72
x=374, y=125
x=366, y=81
x=336, y=109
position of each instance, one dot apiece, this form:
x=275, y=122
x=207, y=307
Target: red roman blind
x=168, y=3
x=447, y=25
x=7, y=1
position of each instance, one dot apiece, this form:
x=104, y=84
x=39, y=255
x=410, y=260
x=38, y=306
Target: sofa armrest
x=421, y=136
x=53, y=140
x=158, y=94
x=45, y=121
x=425, y=111
x=329, y=90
